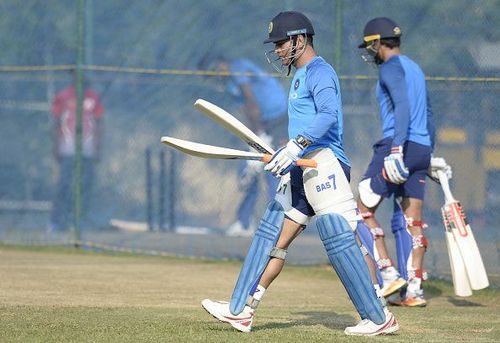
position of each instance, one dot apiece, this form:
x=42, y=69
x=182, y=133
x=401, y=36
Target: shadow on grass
x=431, y=291
x=328, y=319
x=463, y=303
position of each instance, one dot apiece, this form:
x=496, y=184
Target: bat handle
x=303, y=162
x=445, y=185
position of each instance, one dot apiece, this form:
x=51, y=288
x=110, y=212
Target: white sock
x=254, y=301
x=259, y=292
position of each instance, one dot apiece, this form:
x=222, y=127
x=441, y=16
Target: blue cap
x=380, y=28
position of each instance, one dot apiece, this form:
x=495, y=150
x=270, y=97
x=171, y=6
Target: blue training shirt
x=405, y=111
x=269, y=94
x=315, y=108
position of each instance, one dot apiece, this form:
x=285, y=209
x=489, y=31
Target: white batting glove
x=283, y=159
x=439, y=164
x=394, y=166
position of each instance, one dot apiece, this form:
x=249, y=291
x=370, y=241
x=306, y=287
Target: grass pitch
x=65, y=295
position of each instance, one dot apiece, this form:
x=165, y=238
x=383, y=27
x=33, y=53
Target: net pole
x=80, y=60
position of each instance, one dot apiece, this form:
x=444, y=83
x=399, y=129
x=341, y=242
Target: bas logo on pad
x=327, y=185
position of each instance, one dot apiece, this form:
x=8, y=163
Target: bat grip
x=445, y=185
x=303, y=162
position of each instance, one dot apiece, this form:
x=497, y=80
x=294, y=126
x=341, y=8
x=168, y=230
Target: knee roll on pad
x=347, y=260
x=259, y=253
x=368, y=197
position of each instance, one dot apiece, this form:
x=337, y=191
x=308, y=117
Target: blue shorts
x=298, y=194
x=417, y=159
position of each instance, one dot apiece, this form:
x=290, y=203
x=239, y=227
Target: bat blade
x=217, y=152
x=233, y=125
x=466, y=243
x=210, y=151
x=461, y=284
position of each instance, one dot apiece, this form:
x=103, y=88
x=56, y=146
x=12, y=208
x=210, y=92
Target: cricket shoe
x=393, y=282
x=368, y=328
x=414, y=299
x=220, y=310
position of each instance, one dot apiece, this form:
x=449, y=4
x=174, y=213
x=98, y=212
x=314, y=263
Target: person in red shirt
x=64, y=112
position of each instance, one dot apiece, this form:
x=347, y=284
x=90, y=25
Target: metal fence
x=142, y=59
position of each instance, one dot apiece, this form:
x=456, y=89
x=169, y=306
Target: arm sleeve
x=324, y=90
x=392, y=76
x=430, y=123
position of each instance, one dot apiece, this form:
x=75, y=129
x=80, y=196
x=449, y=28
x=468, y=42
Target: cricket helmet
x=288, y=24
x=379, y=28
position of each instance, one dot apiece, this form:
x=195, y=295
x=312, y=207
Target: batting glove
x=394, y=166
x=439, y=164
x=284, y=159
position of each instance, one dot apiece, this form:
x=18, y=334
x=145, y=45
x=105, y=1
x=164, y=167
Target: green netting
x=142, y=58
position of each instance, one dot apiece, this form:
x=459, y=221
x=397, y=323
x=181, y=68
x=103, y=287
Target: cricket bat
x=216, y=152
x=233, y=125
x=461, y=242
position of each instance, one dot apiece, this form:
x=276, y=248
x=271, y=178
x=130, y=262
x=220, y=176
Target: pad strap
x=420, y=241
x=412, y=222
x=377, y=232
x=384, y=263
x=418, y=273
x=278, y=253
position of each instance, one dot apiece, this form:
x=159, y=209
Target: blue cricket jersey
x=269, y=94
x=315, y=108
x=405, y=111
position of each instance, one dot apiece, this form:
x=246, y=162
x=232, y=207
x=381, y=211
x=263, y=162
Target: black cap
x=287, y=24
x=379, y=28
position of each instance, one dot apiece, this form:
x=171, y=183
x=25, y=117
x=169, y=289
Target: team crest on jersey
x=297, y=84
x=270, y=27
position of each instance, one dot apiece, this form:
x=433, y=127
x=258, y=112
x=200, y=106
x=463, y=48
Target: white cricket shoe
x=393, y=282
x=220, y=310
x=237, y=230
x=368, y=328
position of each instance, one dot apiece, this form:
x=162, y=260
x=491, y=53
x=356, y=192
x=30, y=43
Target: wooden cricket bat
x=233, y=125
x=463, y=238
x=216, y=152
x=461, y=284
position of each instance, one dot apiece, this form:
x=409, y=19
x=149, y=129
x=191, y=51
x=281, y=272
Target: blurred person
x=316, y=130
x=64, y=112
x=401, y=160
x=263, y=101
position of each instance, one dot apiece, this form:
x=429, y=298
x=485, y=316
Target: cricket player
x=316, y=129
x=400, y=162
x=264, y=104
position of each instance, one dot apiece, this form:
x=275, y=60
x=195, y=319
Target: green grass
x=67, y=295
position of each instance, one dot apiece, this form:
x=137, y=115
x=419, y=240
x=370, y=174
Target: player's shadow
x=432, y=291
x=459, y=302
x=328, y=319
